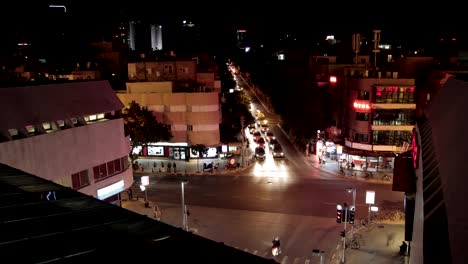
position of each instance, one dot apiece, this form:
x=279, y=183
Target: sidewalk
x=332, y=166
x=380, y=243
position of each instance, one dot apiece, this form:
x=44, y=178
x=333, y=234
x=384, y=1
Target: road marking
x=255, y=252
x=296, y=260
x=285, y=259
x=209, y=194
x=307, y=261
x=266, y=254
x=338, y=246
x=266, y=199
x=246, y=249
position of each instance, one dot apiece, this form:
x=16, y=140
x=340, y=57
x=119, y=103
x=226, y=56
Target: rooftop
x=42, y=221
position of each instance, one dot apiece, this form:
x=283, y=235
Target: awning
x=367, y=153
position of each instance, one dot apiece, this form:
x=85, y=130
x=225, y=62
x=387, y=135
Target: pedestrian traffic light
x=351, y=216
x=342, y=233
x=339, y=214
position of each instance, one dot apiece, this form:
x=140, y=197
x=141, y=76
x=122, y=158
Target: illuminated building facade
x=380, y=117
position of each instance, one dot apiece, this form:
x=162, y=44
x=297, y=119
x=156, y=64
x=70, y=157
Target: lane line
x=307, y=261
x=285, y=259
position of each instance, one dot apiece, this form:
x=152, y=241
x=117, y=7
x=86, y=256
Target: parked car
x=260, y=153
x=278, y=151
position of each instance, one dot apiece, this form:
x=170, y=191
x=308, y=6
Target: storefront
x=374, y=161
x=176, y=151
x=326, y=150
x=211, y=153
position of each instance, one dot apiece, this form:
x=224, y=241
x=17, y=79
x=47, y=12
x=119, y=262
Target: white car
x=278, y=151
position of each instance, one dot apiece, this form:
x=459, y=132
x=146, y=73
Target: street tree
x=202, y=150
x=142, y=127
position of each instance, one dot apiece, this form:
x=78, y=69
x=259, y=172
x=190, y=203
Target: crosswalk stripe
x=285, y=259
x=255, y=252
x=265, y=254
x=296, y=260
x=246, y=249
x=307, y=261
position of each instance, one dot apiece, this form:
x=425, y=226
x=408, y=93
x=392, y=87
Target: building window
x=391, y=138
x=362, y=116
x=394, y=95
x=397, y=117
x=110, y=168
x=183, y=69
x=80, y=179
x=363, y=95
x=358, y=137
x=117, y=165
x=100, y=171
x=189, y=127
x=168, y=68
x=124, y=162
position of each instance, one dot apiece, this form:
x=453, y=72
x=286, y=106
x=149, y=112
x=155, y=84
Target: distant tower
x=131, y=35
x=156, y=37
x=241, y=38
x=356, y=45
x=376, y=45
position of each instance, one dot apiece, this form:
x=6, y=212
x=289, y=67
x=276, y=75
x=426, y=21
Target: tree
x=201, y=150
x=142, y=127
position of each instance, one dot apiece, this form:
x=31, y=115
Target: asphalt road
x=284, y=197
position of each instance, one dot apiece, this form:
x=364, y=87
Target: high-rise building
x=131, y=35
x=156, y=37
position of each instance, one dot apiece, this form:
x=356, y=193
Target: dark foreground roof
x=43, y=222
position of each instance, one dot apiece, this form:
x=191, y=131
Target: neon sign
x=415, y=149
x=359, y=105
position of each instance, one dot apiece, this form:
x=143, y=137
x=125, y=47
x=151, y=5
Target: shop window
x=358, y=137
x=394, y=94
x=80, y=179
x=363, y=95
x=110, y=168
x=100, y=171
x=124, y=162
x=117, y=165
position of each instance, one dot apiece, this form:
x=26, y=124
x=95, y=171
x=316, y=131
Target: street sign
x=370, y=197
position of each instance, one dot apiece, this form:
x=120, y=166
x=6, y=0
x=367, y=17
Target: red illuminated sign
x=333, y=79
x=361, y=106
x=415, y=149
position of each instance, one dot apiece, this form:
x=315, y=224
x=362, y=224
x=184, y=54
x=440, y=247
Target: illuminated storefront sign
x=110, y=190
x=361, y=106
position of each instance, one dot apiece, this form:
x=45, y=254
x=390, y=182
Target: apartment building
x=194, y=117
x=68, y=133
x=380, y=117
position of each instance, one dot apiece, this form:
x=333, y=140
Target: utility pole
x=242, y=120
x=184, y=209
x=345, y=209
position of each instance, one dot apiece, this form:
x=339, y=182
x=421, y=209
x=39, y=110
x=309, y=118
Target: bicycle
x=355, y=242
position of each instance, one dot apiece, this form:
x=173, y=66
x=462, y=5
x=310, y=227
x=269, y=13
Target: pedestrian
x=169, y=167
x=174, y=166
x=403, y=248
x=130, y=194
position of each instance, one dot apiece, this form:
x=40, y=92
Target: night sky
x=396, y=19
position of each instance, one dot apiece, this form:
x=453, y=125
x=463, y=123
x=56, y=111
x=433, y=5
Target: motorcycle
x=275, y=249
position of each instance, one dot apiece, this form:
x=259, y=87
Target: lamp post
x=353, y=191
x=184, y=209
x=242, y=120
x=143, y=187
x=344, y=209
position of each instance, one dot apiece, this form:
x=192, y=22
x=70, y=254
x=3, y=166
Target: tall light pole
x=353, y=190
x=184, y=209
x=143, y=187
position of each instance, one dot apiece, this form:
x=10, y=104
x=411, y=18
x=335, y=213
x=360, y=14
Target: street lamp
x=143, y=187
x=184, y=209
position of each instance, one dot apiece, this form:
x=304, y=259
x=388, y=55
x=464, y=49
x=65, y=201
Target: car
x=270, y=136
x=264, y=128
x=260, y=153
x=257, y=135
x=278, y=151
x=261, y=142
x=252, y=128
x=272, y=143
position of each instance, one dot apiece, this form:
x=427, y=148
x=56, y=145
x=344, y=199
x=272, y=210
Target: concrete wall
x=59, y=154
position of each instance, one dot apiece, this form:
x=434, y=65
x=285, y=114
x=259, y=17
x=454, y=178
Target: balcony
x=393, y=106
x=393, y=127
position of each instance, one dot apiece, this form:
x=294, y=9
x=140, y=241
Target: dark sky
x=395, y=18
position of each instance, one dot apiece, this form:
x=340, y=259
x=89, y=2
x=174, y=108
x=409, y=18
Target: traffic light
x=342, y=233
x=351, y=216
x=339, y=214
